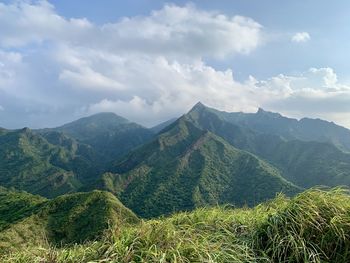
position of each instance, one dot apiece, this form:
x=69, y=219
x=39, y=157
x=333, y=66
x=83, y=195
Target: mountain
x=187, y=167
x=76, y=156
x=304, y=163
x=305, y=129
x=110, y=135
x=72, y=218
x=51, y=162
x=29, y=162
x=204, y=158
x=88, y=127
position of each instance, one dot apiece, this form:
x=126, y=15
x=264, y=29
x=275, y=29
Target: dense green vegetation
x=185, y=168
x=78, y=156
x=29, y=162
x=52, y=162
x=72, y=218
x=308, y=164
x=312, y=227
x=26, y=164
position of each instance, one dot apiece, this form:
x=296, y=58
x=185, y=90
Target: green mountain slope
x=186, y=167
x=66, y=219
x=304, y=163
x=29, y=162
x=110, y=135
x=308, y=164
x=75, y=156
x=15, y=205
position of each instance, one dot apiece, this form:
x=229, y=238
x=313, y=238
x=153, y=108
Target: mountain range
x=206, y=157
x=105, y=187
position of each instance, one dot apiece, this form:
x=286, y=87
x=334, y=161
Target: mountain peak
x=261, y=111
x=99, y=121
x=198, y=107
x=199, y=104
x=106, y=116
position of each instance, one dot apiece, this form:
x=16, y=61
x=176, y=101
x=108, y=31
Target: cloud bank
x=146, y=68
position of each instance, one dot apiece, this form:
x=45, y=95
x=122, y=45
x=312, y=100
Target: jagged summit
x=198, y=106
x=25, y=130
x=261, y=111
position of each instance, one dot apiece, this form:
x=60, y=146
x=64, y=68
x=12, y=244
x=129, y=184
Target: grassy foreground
x=314, y=226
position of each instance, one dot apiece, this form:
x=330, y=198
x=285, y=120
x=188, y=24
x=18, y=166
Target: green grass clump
x=312, y=227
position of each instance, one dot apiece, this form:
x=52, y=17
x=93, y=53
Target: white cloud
x=9, y=63
x=315, y=93
x=146, y=68
x=154, y=63
x=169, y=89
x=186, y=30
x=328, y=76
x=86, y=78
x=172, y=30
x=2, y=108
x=301, y=37
x=23, y=23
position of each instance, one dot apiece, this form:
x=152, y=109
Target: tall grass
x=312, y=227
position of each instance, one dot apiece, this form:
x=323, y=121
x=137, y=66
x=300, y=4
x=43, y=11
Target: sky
x=151, y=60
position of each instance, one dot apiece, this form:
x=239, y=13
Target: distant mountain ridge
x=305, y=129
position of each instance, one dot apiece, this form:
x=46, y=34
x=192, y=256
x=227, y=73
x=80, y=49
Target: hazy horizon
x=156, y=123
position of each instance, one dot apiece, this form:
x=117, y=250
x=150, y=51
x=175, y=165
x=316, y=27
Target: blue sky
x=328, y=22
x=152, y=60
